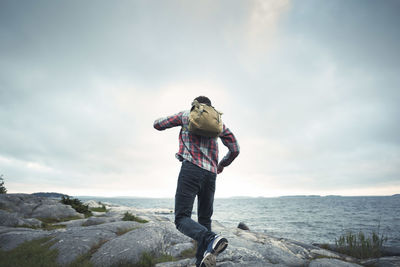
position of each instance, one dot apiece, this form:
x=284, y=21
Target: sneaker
x=208, y=260
x=217, y=245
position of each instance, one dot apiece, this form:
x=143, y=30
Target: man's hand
x=220, y=168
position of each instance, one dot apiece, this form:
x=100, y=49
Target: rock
x=10, y=238
x=243, y=226
x=324, y=253
x=159, y=211
x=14, y=220
x=72, y=223
x=118, y=212
x=180, y=263
x=250, y=264
x=390, y=251
x=246, y=246
x=98, y=213
x=98, y=220
x=176, y=250
x=32, y=222
x=56, y=211
x=76, y=241
x=326, y=262
x=113, y=213
x=30, y=206
x=112, y=242
x=129, y=248
x=171, y=236
x=93, y=204
x=382, y=262
x=385, y=250
x=155, y=239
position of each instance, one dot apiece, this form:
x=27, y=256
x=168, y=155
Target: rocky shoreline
x=107, y=240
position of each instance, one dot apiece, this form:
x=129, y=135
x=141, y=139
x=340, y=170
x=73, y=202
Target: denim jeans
x=194, y=181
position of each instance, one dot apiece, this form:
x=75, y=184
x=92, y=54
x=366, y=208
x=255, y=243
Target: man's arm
x=168, y=122
x=229, y=140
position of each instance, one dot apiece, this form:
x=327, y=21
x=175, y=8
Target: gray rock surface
x=180, y=263
x=72, y=223
x=30, y=206
x=246, y=246
x=177, y=249
x=14, y=219
x=382, y=262
x=250, y=264
x=11, y=237
x=99, y=220
x=154, y=238
x=391, y=251
x=326, y=262
x=76, y=241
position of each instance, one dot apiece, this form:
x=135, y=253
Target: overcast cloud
x=311, y=90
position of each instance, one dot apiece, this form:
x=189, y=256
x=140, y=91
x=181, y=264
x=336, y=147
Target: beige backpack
x=205, y=120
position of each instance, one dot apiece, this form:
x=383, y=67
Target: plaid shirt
x=201, y=151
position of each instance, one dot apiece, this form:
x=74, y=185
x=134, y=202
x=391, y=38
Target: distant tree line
x=3, y=189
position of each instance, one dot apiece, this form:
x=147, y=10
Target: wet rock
x=243, y=226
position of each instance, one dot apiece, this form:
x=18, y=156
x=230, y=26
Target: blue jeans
x=194, y=181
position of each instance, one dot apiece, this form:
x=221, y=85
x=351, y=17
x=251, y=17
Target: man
x=199, y=157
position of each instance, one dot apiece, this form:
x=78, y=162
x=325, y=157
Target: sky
x=311, y=90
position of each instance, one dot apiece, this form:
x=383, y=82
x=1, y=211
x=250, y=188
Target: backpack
x=204, y=120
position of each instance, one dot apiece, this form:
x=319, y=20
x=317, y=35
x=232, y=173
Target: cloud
x=102, y=134
x=263, y=22
x=313, y=100
x=364, y=36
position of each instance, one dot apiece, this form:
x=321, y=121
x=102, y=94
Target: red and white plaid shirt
x=201, y=151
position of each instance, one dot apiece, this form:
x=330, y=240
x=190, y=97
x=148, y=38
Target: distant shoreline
x=240, y=197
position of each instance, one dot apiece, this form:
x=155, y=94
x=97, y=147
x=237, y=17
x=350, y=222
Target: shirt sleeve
x=168, y=122
x=229, y=140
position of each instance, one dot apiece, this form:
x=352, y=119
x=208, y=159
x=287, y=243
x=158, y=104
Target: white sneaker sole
x=209, y=260
x=220, y=245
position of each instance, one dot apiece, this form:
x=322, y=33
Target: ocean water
x=305, y=219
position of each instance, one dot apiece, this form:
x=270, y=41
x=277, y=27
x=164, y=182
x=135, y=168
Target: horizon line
x=219, y=197
x=282, y=196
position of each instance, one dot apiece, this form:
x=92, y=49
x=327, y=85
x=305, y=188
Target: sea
x=308, y=219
